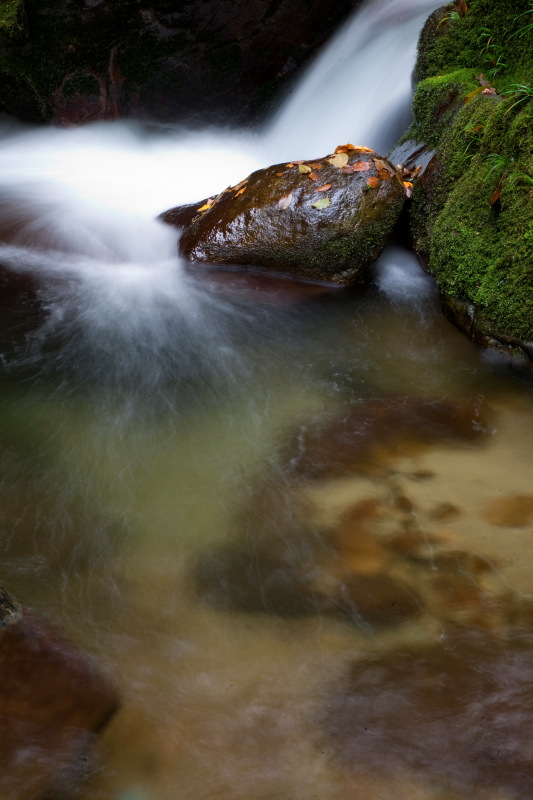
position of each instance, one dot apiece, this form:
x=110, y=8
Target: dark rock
x=10, y=610
x=270, y=221
x=460, y=713
x=53, y=701
x=373, y=431
x=79, y=61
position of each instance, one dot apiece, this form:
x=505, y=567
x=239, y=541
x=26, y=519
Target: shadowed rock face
x=323, y=220
x=53, y=701
x=462, y=714
x=90, y=60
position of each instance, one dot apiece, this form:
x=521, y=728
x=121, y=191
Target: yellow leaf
x=339, y=160
x=363, y=149
x=205, y=207
x=472, y=94
x=240, y=191
x=324, y=202
x=304, y=169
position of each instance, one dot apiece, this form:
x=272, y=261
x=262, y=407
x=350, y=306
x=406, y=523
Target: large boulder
x=77, y=61
x=471, y=215
x=323, y=220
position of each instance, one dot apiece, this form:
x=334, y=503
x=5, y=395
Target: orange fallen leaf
x=304, y=169
x=344, y=148
x=495, y=195
x=347, y=168
x=339, y=160
x=240, y=191
x=373, y=182
x=361, y=166
x=315, y=164
x=290, y=164
x=323, y=188
x=279, y=174
x=313, y=176
x=206, y=205
x=408, y=188
x=463, y=8
x=364, y=149
x=285, y=201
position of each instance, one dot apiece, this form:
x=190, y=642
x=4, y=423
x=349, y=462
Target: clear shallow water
x=151, y=419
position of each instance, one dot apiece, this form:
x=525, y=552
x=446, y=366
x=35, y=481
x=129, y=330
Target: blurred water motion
x=271, y=514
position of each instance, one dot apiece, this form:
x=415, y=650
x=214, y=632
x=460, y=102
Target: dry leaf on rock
x=344, y=148
x=373, y=182
x=304, y=169
x=323, y=188
x=384, y=171
x=313, y=176
x=315, y=164
x=361, y=166
x=339, y=160
x=324, y=202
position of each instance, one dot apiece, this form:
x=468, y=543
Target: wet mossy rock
x=72, y=61
x=472, y=210
x=323, y=220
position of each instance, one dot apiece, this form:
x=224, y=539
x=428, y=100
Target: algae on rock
x=472, y=211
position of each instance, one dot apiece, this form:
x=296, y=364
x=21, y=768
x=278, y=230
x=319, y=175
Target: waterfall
x=79, y=206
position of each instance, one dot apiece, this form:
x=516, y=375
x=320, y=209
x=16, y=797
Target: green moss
x=437, y=101
x=11, y=12
x=479, y=245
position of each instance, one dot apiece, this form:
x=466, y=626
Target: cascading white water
x=95, y=192
x=80, y=205
x=359, y=89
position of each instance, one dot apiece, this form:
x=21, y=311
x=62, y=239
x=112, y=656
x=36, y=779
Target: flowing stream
x=152, y=416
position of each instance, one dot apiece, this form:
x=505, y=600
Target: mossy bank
x=472, y=211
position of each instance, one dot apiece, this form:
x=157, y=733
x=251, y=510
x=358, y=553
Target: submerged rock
x=460, y=713
x=10, y=610
x=374, y=565
x=53, y=701
x=325, y=220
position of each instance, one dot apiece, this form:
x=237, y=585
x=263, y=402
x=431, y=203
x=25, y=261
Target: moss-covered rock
x=325, y=220
x=472, y=210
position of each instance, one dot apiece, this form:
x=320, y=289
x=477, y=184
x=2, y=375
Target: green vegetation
x=472, y=214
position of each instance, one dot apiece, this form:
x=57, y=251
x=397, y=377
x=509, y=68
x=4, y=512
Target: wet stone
x=459, y=713
x=319, y=220
x=53, y=702
x=511, y=511
x=369, y=434
x=10, y=611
